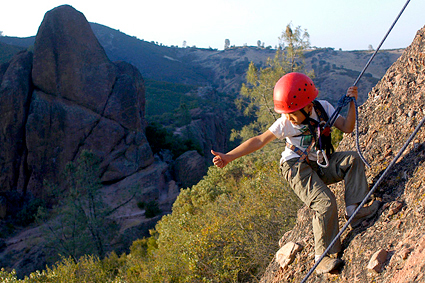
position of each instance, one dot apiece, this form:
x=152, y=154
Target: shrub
x=152, y=209
x=79, y=224
x=160, y=138
x=29, y=211
x=226, y=228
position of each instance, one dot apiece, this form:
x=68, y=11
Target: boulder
x=69, y=62
x=377, y=260
x=286, y=254
x=189, y=168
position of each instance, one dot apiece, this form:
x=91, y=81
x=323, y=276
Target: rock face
x=190, y=168
x=393, y=109
x=66, y=98
x=15, y=97
x=208, y=130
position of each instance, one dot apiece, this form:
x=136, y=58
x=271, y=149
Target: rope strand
x=359, y=151
x=344, y=101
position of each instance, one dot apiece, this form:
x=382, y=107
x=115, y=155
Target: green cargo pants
x=309, y=182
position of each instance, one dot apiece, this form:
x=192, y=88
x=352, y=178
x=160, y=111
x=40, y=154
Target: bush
x=152, y=209
x=226, y=228
x=29, y=211
x=160, y=138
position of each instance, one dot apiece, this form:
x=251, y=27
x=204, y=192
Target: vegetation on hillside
x=169, y=106
x=224, y=229
x=164, y=97
x=160, y=138
x=79, y=222
x=152, y=59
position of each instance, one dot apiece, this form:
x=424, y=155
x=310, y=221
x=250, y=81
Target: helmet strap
x=307, y=116
x=311, y=123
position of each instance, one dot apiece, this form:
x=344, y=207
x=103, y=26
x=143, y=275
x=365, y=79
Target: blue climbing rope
x=344, y=101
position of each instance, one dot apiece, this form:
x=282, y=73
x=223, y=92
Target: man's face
x=297, y=117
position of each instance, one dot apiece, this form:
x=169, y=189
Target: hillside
x=225, y=69
x=7, y=51
x=393, y=109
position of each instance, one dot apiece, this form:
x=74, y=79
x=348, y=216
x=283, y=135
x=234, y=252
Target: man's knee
x=351, y=160
x=324, y=203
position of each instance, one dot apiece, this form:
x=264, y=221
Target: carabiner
x=319, y=159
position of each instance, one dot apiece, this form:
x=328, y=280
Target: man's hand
x=220, y=159
x=352, y=92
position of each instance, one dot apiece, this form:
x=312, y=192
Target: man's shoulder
x=282, y=127
x=327, y=106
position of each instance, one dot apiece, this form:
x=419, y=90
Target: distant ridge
x=225, y=70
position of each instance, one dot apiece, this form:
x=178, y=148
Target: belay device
x=324, y=140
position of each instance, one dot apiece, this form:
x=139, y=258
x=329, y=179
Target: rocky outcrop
x=66, y=98
x=391, y=244
x=207, y=129
x=69, y=62
x=84, y=101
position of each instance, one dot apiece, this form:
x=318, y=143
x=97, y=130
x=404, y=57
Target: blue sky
x=345, y=24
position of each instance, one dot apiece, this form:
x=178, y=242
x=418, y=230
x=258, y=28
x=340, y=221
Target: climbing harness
x=321, y=153
x=324, y=145
x=344, y=101
x=324, y=138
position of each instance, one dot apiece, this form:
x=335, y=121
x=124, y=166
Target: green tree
x=257, y=93
x=226, y=43
x=79, y=224
x=297, y=41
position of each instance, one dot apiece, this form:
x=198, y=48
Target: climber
x=294, y=97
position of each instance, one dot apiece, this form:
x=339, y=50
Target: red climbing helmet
x=293, y=92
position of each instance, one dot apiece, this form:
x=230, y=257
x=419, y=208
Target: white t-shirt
x=283, y=128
